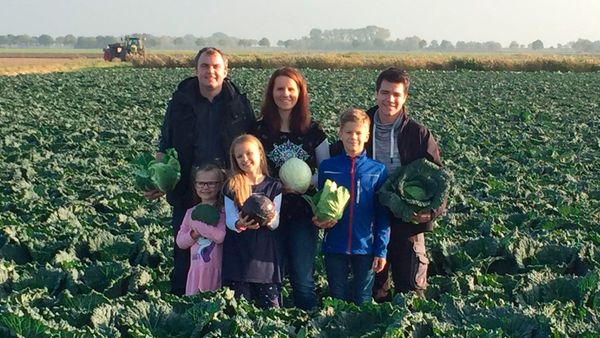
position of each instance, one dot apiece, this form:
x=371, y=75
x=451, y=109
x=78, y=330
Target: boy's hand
x=323, y=224
x=151, y=195
x=378, y=264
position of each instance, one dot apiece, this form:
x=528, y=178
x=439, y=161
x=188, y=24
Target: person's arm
x=215, y=233
x=184, y=238
x=381, y=221
x=433, y=155
x=231, y=214
x=164, y=142
x=321, y=153
x=275, y=222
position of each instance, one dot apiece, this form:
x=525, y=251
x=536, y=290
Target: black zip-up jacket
x=414, y=141
x=207, y=140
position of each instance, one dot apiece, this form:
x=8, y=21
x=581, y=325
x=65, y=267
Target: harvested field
x=27, y=65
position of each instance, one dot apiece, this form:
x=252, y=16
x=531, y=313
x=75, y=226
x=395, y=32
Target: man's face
x=211, y=71
x=390, y=99
x=354, y=136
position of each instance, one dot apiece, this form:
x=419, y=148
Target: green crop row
x=82, y=254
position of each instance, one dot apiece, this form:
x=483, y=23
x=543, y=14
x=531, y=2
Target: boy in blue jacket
x=358, y=241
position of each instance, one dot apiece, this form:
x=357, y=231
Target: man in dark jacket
x=203, y=117
x=396, y=140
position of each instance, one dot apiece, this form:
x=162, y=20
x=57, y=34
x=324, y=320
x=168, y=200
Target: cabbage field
x=82, y=254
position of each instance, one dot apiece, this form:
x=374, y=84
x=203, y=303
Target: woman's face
x=285, y=93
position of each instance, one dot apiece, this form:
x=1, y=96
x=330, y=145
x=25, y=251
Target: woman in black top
x=286, y=130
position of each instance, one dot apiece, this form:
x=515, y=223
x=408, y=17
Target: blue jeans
x=301, y=250
x=338, y=267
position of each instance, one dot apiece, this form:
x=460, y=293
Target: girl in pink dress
x=205, y=241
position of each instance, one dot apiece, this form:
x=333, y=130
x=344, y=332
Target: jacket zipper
x=351, y=211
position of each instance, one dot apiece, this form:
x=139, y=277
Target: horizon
x=463, y=20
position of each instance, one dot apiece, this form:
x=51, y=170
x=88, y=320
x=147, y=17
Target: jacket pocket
x=419, y=264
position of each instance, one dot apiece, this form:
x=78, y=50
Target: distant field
x=22, y=65
x=274, y=57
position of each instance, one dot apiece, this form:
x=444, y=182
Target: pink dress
x=205, y=253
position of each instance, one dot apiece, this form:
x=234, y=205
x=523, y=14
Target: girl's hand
x=194, y=234
x=271, y=220
x=244, y=222
x=323, y=224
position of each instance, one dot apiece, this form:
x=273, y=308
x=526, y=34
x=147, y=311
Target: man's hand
x=151, y=195
x=323, y=224
x=422, y=217
x=378, y=264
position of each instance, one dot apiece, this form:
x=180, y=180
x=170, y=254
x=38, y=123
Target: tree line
x=363, y=39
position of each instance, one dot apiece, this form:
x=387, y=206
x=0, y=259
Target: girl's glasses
x=207, y=184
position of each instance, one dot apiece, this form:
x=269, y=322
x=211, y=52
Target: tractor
x=131, y=45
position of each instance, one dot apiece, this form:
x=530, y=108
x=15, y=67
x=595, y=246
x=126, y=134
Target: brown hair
x=222, y=176
x=210, y=51
x=393, y=75
x=354, y=115
x=300, y=116
x=237, y=180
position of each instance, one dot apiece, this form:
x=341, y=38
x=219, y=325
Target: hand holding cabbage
x=418, y=186
x=152, y=174
x=328, y=203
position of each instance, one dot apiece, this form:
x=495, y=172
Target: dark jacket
x=198, y=142
x=414, y=141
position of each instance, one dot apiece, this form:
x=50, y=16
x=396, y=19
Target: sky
x=552, y=21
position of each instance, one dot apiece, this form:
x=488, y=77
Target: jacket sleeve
x=381, y=221
x=215, y=233
x=165, y=139
x=433, y=154
x=183, y=239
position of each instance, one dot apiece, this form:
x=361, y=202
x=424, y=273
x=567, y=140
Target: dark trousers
x=301, y=250
x=265, y=295
x=181, y=258
x=407, y=259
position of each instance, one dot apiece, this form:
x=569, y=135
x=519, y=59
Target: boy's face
x=354, y=136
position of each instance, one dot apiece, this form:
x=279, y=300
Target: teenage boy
x=357, y=242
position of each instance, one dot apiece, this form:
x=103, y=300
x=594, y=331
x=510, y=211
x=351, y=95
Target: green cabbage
x=206, y=213
x=417, y=186
x=329, y=203
x=296, y=175
x=151, y=173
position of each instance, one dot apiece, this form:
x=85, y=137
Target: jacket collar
x=187, y=91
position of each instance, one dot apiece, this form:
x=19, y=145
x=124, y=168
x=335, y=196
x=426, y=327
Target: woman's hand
x=287, y=190
x=323, y=224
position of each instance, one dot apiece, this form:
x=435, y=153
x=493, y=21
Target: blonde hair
x=207, y=167
x=354, y=115
x=237, y=182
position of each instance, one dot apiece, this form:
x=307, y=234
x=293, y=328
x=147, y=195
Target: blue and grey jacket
x=365, y=225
